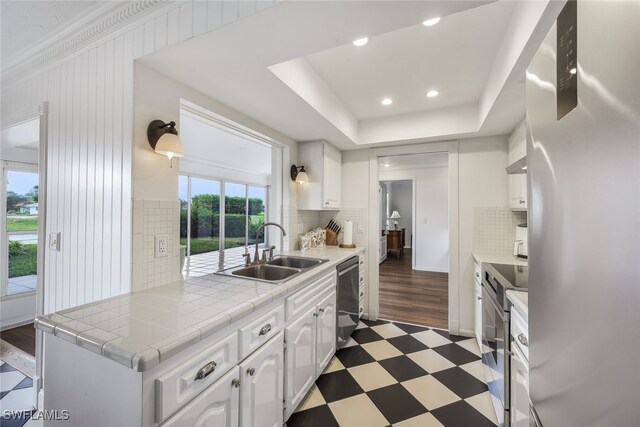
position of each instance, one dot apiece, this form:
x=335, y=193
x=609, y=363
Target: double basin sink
x=277, y=270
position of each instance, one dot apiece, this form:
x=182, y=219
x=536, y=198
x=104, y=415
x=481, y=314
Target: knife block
x=332, y=238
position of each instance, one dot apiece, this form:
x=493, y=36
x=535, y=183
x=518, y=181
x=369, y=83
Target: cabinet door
x=262, y=386
x=519, y=412
x=326, y=330
x=332, y=180
x=217, y=406
x=478, y=312
x=518, y=191
x=300, y=359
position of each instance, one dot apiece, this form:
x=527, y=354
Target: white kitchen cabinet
x=262, y=387
x=326, y=332
x=477, y=298
x=518, y=183
x=217, y=406
x=300, y=359
x=323, y=164
x=519, y=389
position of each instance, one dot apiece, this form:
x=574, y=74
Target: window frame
x=12, y=166
x=222, y=207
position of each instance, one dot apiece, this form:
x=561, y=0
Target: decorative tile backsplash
x=494, y=230
x=302, y=221
x=153, y=218
x=359, y=217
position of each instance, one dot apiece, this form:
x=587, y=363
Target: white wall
x=482, y=182
x=431, y=237
x=88, y=83
x=402, y=201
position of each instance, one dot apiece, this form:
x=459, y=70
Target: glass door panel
x=22, y=231
x=205, y=216
x=257, y=205
x=235, y=218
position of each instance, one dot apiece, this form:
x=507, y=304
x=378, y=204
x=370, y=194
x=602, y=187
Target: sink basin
x=295, y=261
x=269, y=273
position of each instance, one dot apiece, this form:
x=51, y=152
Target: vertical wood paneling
x=214, y=14
x=186, y=21
x=90, y=143
x=89, y=246
x=199, y=17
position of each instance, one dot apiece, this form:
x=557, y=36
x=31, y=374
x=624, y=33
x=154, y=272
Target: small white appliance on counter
x=520, y=248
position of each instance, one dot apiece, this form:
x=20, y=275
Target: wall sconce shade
x=163, y=138
x=299, y=176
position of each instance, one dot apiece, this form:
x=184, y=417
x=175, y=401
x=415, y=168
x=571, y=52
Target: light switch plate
x=54, y=241
x=161, y=245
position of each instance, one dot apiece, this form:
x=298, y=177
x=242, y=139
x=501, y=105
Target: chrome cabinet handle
x=477, y=274
x=206, y=370
x=479, y=298
x=251, y=371
x=321, y=310
x=521, y=202
x=361, y=262
x=235, y=383
x=265, y=329
x=523, y=340
x=361, y=294
x=362, y=279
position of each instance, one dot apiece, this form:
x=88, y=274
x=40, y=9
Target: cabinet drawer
x=260, y=331
x=299, y=303
x=216, y=406
x=178, y=386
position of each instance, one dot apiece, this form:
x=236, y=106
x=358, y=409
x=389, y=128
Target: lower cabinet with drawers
x=253, y=372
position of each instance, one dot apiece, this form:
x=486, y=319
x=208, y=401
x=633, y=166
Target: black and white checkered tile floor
x=402, y=375
x=16, y=395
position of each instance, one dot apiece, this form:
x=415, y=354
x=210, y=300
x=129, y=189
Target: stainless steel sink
x=278, y=270
x=266, y=272
x=296, y=262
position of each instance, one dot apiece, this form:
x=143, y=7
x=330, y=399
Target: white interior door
x=300, y=359
x=262, y=387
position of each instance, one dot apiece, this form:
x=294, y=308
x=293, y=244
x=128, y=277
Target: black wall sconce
x=163, y=138
x=299, y=176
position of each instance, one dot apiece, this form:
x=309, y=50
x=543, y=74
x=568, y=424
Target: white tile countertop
x=520, y=301
x=141, y=329
x=499, y=259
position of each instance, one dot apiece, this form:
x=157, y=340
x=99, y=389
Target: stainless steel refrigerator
x=583, y=156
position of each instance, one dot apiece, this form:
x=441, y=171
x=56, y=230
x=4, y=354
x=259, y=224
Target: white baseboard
x=466, y=333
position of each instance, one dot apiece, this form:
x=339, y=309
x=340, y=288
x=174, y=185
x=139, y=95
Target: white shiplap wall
x=90, y=133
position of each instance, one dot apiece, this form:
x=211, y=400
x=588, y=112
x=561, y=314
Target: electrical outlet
x=162, y=245
x=54, y=241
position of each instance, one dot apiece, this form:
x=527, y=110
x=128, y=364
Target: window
x=21, y=201
x=207, y=225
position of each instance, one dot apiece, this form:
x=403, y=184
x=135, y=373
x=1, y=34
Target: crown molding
x=88, y=28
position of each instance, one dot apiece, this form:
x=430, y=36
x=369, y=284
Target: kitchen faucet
x=256, y=255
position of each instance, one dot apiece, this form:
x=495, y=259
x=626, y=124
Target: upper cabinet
x=323, y=164
x=518, y=182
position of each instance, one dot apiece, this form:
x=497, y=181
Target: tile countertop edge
x=140, y=356
x=499, y=259
x=520, y=300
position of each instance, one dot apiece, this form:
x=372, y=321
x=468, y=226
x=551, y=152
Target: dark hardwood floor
x=23, y=337
x=411, y=296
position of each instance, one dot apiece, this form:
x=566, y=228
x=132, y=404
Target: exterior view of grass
x=208, y=244
x=28, y=223
x=23, y=261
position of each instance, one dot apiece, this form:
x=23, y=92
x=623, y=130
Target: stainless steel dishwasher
x=347, y=300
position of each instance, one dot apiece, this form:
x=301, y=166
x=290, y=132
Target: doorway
x=414, y=261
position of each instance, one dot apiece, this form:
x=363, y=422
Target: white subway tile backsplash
x=494, y=230
x=152, y=218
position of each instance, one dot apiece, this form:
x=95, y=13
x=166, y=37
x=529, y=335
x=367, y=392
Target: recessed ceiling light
x=387, y=101
x=361, y=42
x=431, y=21
x=432, y=93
